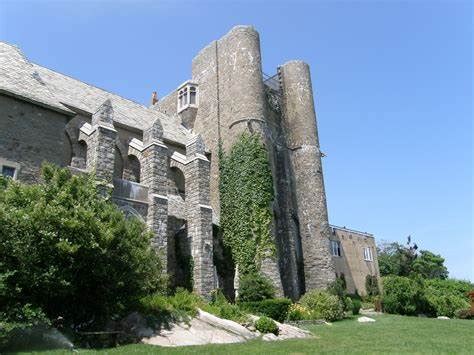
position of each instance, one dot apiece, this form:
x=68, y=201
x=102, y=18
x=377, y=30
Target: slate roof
x=32, y=82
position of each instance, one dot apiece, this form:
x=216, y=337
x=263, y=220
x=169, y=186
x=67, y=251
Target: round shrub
x=298, y=312
x=276, y=309
x=254, y=287
x=403, y=295
x=266, y=325
x=444, y=304
x=323, y=305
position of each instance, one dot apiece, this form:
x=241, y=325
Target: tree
x=430, y=266
x=69, y=252
x=405, y=260
x=396, y=259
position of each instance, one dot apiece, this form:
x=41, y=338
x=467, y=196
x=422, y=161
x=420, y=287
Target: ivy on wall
x=246, y=193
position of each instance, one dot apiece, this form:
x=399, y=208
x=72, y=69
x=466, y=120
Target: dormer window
x=187, y=96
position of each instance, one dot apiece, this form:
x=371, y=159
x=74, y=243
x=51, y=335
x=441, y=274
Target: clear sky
x=392, y=83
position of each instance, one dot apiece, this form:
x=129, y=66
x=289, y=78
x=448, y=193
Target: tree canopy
x=405, y=260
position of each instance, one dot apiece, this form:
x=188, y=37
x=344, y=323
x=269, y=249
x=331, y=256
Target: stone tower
x=233, y=98
x=302, y=144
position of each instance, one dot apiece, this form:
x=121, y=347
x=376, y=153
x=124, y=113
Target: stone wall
x=30, y=135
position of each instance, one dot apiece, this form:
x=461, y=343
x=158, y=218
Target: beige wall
x=351, y=262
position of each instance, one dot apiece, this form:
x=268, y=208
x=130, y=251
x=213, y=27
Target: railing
x=272, y=82
x=351, y=230
x=130, y=190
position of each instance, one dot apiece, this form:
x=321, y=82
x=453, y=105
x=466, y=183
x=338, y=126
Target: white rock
x=269, y=337
x=365, y=320
x=443, y=317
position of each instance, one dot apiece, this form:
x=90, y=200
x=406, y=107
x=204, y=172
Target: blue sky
x=392, y=83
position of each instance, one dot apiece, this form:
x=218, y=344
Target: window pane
x=192, y=97
x=8, y=171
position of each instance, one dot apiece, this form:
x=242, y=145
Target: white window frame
x=10, y=164
x=336, y=248
x=184, y=96
x=368, y=256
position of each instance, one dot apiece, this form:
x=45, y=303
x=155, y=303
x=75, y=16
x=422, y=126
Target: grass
x=389, y=334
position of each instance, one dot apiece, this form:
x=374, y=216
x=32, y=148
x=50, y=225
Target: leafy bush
x=266, y=325
x=15, y=319
x=70, y=252
x=254, y=287
x=372, y=285
x=276, y=309
x=220, y=307
x=298, y=312
x=338, y=288
x=348, y=304
x=178, y=307
x=435, y=297
x=356, y=304
x=446, y=297
x=323, y=305
x=403, y=295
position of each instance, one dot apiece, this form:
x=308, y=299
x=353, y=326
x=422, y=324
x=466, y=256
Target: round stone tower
x=299, y=125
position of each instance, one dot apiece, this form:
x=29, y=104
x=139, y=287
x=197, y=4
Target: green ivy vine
x=246, y=194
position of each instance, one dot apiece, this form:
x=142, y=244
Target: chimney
x=154, y=98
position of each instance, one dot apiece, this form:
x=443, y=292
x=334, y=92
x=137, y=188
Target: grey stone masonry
x=154, y=174
x=101, y=143
x=299, y=121
x=199, y=216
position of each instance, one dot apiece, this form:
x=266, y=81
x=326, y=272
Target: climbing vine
x=246, y=193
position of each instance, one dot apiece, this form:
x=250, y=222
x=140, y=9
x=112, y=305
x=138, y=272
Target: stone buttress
x=100, y=139
x=199, y=216
x=154, y=175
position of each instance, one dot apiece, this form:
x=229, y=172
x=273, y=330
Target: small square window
x=368, y=254
x=8, y=171
x=335, y=248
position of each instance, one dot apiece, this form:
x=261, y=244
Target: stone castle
x=162, y=160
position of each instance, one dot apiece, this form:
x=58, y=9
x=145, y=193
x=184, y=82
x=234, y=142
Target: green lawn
x=389, y=334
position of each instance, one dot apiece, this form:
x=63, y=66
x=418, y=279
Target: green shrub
x=348, y=304
x=298, y=312
x=372, y=285
x=446, y=297
x=178, y=307
x=403, y=295
x=266, y=325
x=16, y=319
x=323, y=305
x=276, y=309
x=71, y=252
x=220, y=307
x=356, y=304
x=338, y=288
x=254, y=287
